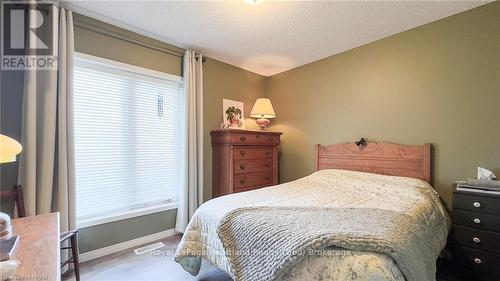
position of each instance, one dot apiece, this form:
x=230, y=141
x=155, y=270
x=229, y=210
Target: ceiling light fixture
x=253, y=2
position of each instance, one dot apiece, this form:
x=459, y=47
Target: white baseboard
x=125, y=245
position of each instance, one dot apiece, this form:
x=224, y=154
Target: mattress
x=323, y=189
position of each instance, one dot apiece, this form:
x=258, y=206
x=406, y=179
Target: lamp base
x=263, y=123
x=5, y=227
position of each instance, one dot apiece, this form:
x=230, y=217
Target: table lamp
x=9, y=148
x=263, y=110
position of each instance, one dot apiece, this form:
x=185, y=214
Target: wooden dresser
x=243, y=160
x=476, y=232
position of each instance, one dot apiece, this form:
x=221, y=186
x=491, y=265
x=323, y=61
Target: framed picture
x=232, y=114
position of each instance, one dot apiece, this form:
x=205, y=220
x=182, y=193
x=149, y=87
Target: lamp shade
x=9, y=148
x=262, y=109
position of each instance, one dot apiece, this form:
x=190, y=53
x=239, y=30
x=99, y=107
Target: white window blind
x=129, y=138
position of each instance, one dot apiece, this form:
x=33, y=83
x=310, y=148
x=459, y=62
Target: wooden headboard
x=380, y=158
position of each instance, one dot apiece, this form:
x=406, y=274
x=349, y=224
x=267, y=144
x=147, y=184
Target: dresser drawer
x=254, y=165
x=249, y=152
x=477, y=239
x=249, y=181
x=479, y=260
x=476, y=220
x=243, y=138
x=476, y=203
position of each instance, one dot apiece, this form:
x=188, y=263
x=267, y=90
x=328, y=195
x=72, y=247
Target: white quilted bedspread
x=326, y=189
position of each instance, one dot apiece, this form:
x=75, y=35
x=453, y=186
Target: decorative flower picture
x=232, y=112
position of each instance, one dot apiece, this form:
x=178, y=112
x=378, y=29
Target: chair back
x=15, y=194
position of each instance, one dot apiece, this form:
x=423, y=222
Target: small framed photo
x=232, y=114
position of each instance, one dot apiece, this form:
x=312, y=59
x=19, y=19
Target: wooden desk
x=38, y=247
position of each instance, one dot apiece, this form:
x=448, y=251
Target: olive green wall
x=99, y=236
x=438, y=83
x=220, y=81
x=96, y=38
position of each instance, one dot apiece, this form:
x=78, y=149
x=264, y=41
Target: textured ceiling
x=271, y=37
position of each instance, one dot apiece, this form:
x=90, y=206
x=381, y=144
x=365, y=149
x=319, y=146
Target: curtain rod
x=103, y=31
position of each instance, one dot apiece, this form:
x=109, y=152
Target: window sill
x=127, y=215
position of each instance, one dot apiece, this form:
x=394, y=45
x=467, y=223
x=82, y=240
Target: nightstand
x=476, y=232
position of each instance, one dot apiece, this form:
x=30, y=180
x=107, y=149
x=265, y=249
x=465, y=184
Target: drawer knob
x=476, y=240
x=267, y=177
x=242, y=166
x=478, y=221
x=243, y=138
x=268, y=151
x=242, y=152
x=267, y=164
x=477, y=204
x=242, y=180
x=478, y=260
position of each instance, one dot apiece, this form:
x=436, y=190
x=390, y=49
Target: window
x=129, y=140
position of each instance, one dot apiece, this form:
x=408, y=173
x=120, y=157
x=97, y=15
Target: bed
x=367, y=213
